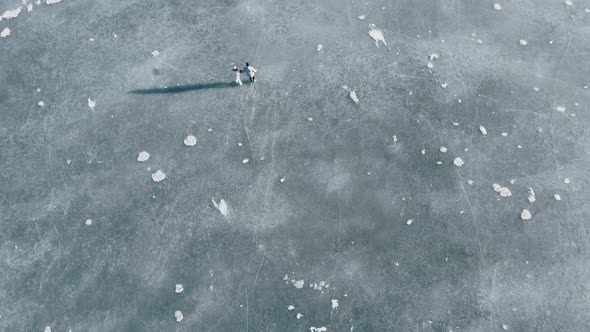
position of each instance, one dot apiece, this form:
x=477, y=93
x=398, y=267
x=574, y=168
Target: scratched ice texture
x=293, y=195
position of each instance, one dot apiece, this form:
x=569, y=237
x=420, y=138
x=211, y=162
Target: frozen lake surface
x=410, y=165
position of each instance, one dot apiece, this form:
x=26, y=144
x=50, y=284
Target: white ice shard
x=532, y=197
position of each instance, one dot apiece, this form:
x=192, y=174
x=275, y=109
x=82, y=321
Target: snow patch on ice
x=221, y=206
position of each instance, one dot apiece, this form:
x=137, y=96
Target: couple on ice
x=249, y=70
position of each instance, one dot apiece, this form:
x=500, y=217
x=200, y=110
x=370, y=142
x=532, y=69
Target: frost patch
x=158, y=176
x=5, y=33
x=221, y=206
x=178, y=315
x=190, y=140
x=526, y=215
x=503, y=191
x=91, y=104
x=377, y=35
x=458, y=162
x=52, y=2
x=11, y=13
x=532, y=197
x=143, y=156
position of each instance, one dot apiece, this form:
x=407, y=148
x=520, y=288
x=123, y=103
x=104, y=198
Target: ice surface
x=327, y=199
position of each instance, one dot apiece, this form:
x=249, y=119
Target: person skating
x=251, y=72
x=238, y=75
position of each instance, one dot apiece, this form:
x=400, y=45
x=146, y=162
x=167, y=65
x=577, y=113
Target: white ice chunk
x=51, y=2
x=143, y=156
x=568, y=3
x=362, y=17
x=88, y=222
x=11, y=13
x=444, y=85
x=47, y=329
x=443, y=149
x=5, y=33
x=178, y=289
x=560, y=109
x=532, y=197
x=291, y=307
x=557, y=197
x=354, y=97
x=525, y=215
x=41, y=103
x=430, y=65
x=410, y=221
x=178, y=315
x=299, y=283
x=91, y=104
x=566, y=180
x=221, y=206
x=245, y=161
x=433, y=56
x=319, y=48
x=523, y=42
x=158, y=176
x=497, y=6
x=299, y=315
x=377, y=35
x=458, y=162
x=503, y=191
x=334, y=304
x=190, y=140
x=155, y=53
x=483, y=130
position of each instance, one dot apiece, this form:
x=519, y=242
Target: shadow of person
x=187, y=88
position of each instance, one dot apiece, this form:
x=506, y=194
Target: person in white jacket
x=238, y=75
x=251, y=72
